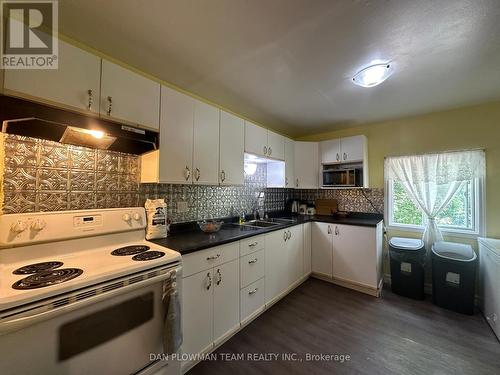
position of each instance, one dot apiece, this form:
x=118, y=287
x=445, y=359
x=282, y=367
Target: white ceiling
x=287, y=64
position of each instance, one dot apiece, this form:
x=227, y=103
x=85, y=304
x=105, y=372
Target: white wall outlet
x=182, y=207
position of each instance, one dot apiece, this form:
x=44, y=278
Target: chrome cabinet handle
x=265, y=150
x=219, y=278
x=213, y=257
x=345, y=156
x=253, y=244
x=91, y=99
x=197, y=174
x=187, y=173
x=329, y=230
x=270, y=151
x=110, y=105
x=222, y=176
x=253, y=261
x=209, y=281
x=253, y=291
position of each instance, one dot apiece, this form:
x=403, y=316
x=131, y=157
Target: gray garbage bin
x=454, y=276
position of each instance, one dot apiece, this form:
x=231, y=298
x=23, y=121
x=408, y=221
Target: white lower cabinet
x=295, y=254
x=252, y=299
x=276, y=264
x=322, y=249
x=226, y=298
x=349, y=255
x=307, y=248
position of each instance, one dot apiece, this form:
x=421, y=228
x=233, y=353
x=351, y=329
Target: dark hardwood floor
x=390, y=335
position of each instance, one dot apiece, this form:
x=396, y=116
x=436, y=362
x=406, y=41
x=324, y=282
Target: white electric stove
x=83, y=292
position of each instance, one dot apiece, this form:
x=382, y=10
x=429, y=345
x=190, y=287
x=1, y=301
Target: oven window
x=92, y=330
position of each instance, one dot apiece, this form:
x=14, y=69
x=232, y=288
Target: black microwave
x=342, y=176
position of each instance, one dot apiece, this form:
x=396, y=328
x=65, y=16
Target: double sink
x=271, y=222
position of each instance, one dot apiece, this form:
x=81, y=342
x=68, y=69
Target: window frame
x=479, y=214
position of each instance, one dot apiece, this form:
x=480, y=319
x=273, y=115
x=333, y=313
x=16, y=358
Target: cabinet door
x=255, y=139
x=353, y=148
x=128, y=96
x=490, y=282
x=289, y=163
x=69, y=85
x=354, y=254
x=176, y=141
x=276, y=264
x=197, y=312
x=329, y=151
x=226, y=299
x=205, y=144
x=275, y=146
x=295, y=250
x=306, y=165
x=307, y=248
x=232, y=145
x=322, y=251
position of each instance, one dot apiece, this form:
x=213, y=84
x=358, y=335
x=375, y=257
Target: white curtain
x=432, y=180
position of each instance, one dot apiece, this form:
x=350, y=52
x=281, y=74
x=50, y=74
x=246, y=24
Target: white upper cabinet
x=255, y=139
x=75, y=84
x=130, y=97
x=275, y=146
x=344, y=150
x=330, y=151
x=232, y=143
x=289, y=163
x=176, y=140
x=353, y=148
x=306, y=165
x=260, y=141
x=205, y=144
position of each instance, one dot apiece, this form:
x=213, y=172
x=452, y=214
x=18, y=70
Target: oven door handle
x=15, y=324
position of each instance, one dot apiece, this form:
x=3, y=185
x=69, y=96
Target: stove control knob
x=18, y=227
x=38, y=225
x=137, y=217
x=126, y=217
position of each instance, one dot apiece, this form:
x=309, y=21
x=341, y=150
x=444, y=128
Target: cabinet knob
x=110, y=105
x=91, y=99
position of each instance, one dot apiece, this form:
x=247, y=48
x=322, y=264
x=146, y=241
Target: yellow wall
x=464, y=128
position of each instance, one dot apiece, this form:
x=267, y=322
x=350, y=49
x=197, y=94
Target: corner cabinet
x=306, y=165
x=348, y=255
x=75, y=85
x=128, y=96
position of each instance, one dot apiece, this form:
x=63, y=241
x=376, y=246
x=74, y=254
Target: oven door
x=111, y=328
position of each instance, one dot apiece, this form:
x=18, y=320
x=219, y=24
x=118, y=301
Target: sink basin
x=260, y=223
x=280, y=220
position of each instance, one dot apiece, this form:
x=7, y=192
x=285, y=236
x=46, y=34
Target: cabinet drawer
x=251, y=268
x=252, y=299
x=205, y=259
x=251, y=245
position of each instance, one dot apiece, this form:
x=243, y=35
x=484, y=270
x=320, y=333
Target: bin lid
x=454, y=251
x=402, y=243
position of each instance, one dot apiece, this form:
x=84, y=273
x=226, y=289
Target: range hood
x=26, y=118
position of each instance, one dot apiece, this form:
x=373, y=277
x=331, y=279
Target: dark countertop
x=187, y=238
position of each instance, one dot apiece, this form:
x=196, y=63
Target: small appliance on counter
x=311, y=210
x=303, y=209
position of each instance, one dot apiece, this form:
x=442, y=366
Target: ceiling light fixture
x=373, y=75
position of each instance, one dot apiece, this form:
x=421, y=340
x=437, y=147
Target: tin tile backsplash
x=41, y=175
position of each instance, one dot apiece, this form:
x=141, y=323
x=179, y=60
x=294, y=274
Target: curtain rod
x=437, y=152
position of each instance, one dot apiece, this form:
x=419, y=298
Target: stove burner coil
x=37, y=267
x=47, y=278
x=130, y=250
x=148, y=255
